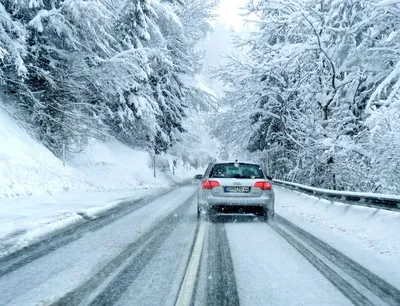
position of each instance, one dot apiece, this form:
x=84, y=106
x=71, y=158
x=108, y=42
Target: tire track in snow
x=133, y=260
x=369, y=280
x=342, y=285
x=28, y=254
x=221, y=281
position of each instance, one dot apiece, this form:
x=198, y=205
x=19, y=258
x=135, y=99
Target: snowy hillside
x=28, y=168
x=39, y=195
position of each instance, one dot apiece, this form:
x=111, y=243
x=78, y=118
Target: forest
x=80, y=69
x=312, y=90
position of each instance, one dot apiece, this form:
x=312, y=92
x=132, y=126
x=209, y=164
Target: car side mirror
x=198, y=177
x=269, y=177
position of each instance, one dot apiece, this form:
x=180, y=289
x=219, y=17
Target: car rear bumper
x=237, y=205
x=248, y=209
x=238, y=201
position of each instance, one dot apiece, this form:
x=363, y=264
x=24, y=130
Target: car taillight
x=210, y=184
x=263, y=185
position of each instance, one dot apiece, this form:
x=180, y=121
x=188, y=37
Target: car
x=235, y=187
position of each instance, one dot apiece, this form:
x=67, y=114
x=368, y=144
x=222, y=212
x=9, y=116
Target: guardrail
x=360, y=198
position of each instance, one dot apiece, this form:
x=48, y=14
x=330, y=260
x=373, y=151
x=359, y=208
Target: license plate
x=237, y=189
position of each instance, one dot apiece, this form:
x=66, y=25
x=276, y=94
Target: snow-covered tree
x=316, y=78
x=79, y=69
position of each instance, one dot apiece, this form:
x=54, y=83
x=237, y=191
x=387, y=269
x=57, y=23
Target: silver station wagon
x=235, y=188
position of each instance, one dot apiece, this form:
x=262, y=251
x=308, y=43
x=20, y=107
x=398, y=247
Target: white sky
x=218, y=42
x=228, y=12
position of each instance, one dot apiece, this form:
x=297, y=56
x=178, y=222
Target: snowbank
x=369, y=236
x=27, y=220
x=381, y=196
x=115, y=166
x=38, y=195
x=28, y=168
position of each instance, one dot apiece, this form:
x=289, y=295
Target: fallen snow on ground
x=27, y=220
x=45, y=280
x=39, y=195
x=113, y=165
x=28, y=168
x=369, y=236
x=269, y=271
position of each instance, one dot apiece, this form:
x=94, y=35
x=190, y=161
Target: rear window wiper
x=238, y=176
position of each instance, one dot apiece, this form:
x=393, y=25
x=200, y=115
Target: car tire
x=271, y=216
x=264, y=216
x=205, y=215
x=211, y=216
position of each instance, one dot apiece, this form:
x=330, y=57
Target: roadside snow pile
x=38, y=195
x=369, y=236
x=28, y=220
x=115, y=166
x=28, y=168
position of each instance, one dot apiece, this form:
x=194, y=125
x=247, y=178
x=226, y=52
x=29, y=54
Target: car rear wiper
x=238, y=176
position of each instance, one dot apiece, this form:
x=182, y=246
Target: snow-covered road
x=270, y=269
x=152, y=254
x=97, y=255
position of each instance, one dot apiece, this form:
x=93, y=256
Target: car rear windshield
x=236, y=170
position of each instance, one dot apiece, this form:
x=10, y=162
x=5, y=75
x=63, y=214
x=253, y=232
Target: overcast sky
x=228, y=12
x=218, y=43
